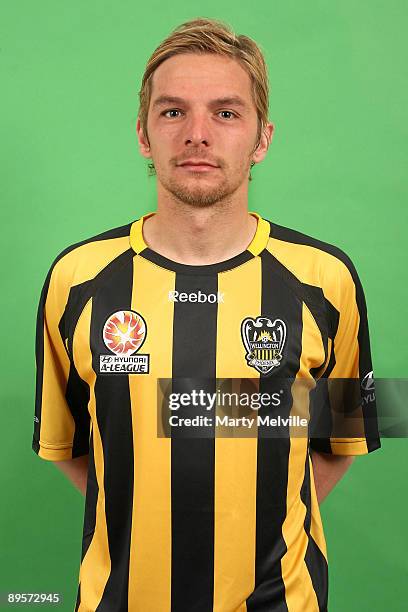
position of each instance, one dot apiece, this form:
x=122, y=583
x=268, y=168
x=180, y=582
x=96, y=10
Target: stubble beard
x=193, y=193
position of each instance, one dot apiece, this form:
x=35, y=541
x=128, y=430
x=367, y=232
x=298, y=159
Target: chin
x=199, y=197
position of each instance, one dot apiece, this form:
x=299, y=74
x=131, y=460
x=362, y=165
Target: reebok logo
x=177, y=296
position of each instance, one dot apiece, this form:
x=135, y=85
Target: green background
x=70, y=168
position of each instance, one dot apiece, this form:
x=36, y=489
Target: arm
x=76, y=470
x=327, y=470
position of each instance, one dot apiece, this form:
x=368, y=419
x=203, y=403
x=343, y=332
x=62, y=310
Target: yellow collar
x=258, y=242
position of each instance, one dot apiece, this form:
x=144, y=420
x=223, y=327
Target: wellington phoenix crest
x=264, y=341
x=123, y=334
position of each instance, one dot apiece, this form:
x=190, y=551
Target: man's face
x=201, y=109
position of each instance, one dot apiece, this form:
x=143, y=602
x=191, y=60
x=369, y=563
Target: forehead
x=208, y=75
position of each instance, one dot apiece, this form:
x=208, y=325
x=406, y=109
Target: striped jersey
x=196, y=523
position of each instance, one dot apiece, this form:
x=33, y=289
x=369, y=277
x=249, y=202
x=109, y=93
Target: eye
x=171, y=110
x=229, y=112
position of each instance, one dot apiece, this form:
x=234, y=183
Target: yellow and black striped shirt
x=195, y=524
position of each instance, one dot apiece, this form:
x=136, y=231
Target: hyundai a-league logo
x=123, y=334
x=264, y=341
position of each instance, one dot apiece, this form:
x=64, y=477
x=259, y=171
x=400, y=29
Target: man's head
x=204, y=96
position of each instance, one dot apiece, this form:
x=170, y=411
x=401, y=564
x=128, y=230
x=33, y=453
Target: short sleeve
x=344, y=406
x=61, y=420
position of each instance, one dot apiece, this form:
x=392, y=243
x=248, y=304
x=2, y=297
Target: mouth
x=197, y=166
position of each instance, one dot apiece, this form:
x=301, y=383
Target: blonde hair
x=202, y=35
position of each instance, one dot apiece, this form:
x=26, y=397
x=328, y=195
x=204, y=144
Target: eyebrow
x=224, y=101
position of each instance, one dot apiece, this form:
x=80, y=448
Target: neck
x=199, y=236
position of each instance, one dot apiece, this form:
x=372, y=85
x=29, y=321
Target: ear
x=265, y=141
x=144, y=145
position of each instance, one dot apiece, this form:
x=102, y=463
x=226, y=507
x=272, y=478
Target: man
x=200, y=290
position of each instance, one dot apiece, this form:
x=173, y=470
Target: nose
x=197, y=131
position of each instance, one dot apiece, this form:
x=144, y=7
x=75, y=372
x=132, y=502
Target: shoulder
x=316, y=246
x=93, y=242
x=319, y=262
x=82, y=260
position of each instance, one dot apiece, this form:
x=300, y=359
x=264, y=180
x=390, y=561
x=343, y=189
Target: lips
x=198, y=163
